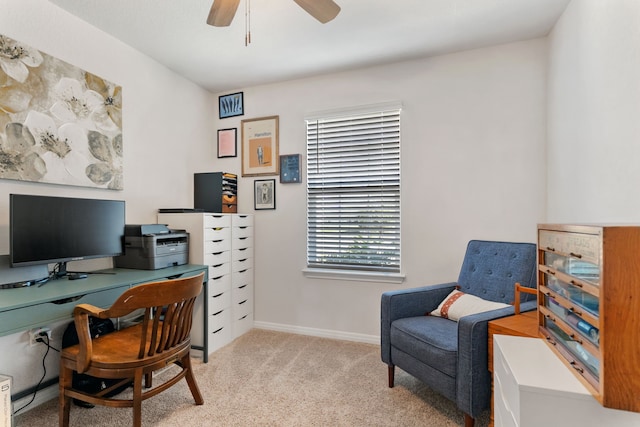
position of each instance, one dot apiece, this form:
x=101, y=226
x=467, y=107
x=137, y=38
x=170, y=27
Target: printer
x=153, y=246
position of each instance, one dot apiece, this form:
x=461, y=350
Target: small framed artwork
x=290, y=168
x=227, y=142
x=264, y=194
x=231, y=105
x=260, y=146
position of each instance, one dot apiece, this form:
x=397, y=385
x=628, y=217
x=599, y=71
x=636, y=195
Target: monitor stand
x=60, y=270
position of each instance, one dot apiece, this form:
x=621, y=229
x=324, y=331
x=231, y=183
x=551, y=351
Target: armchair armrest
x=474, y=379
x=408, y=303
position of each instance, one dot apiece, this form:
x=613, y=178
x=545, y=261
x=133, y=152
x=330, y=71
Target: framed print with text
x=227, y=142
x=290, y=168
x=260, y=146
x=231, y=105
x=264, y=194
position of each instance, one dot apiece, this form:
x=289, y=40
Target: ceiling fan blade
x=323, y=10
x=222, y=12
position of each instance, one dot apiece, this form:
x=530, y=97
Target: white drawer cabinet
x=533, y=388
x=210, y=245
x=223, y=242
x=242, y=273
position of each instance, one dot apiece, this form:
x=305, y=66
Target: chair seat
x=118, y=352
x=431, y=340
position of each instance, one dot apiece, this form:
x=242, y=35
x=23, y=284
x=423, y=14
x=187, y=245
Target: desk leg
x=205, y=325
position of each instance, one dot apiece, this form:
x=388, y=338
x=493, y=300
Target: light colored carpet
x=267, y=378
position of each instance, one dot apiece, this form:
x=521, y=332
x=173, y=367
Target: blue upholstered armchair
x=451, y=356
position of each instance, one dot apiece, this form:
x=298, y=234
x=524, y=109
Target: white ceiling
x=287, y=43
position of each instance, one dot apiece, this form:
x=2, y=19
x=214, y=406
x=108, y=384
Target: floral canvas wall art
x=58, y=123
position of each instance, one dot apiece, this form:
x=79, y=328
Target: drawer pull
x=218, y=278
x=218, y=330
x=242, y=287
x=575, y=255
x=218, y=296
x=550, y=340
x=573, y=338
x=576, y=367
x=553, y=273
x=215, y=314
x=242, y=271
x=573, y=310
x=576, y=284
x=550, y=249
x=242, y=302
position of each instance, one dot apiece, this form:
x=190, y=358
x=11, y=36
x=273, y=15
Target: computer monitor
x=46, y=230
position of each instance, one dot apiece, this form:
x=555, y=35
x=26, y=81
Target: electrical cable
x=44, y=374
x=43, y=337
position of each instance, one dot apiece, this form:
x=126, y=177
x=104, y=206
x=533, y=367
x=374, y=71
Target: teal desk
x=22, y=309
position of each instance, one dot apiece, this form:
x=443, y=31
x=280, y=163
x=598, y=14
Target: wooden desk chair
x=162, y=338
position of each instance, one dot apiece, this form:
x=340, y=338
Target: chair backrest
x=491, y=269
x=168, y=311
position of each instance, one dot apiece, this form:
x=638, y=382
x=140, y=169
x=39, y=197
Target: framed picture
x=227, y=142
x=260, y=146
x=231, y=105
x=290, y=168
x=264, y=194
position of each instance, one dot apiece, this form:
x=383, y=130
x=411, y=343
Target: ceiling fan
x=223, y=11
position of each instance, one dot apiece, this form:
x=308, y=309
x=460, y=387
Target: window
x=353, y=190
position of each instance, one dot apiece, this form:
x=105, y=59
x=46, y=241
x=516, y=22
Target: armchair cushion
x=438, y=347
x=458, y=304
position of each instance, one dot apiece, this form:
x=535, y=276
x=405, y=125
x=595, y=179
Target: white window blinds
x=353, y=190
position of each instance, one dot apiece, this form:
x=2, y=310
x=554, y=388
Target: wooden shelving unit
x=589, y=306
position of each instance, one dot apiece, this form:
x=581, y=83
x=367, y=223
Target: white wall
x=473, y=167
x=168, y=134
x=594, y=111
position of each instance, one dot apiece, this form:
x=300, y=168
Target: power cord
x=44, y=339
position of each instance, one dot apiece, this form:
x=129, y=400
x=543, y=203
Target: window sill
x=360, y=276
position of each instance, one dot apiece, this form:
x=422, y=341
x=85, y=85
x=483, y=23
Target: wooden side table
x=521, y=325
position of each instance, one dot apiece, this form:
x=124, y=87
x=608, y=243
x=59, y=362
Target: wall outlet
x=36, y=333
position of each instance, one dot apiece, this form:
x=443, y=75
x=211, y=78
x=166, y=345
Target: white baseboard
x=42, y=396
x=323, y=333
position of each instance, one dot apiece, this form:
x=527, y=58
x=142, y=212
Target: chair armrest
x=408, y=303
x=81, y=315
x=474, y=378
